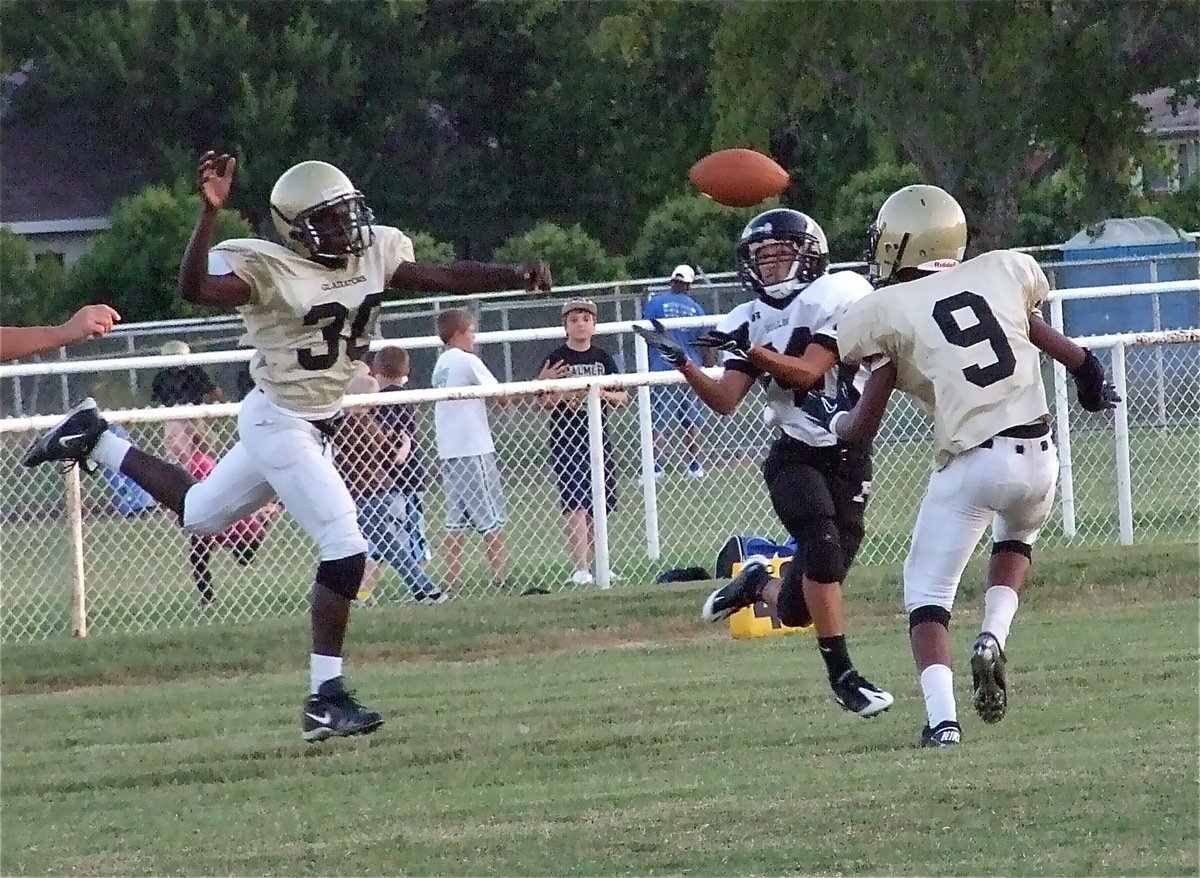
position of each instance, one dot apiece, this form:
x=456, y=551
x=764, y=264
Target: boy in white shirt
x=474, y=495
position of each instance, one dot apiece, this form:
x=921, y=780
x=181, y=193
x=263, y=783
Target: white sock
x=999, y=607
x=322, y=668
x=110, y=450
x=937, y=682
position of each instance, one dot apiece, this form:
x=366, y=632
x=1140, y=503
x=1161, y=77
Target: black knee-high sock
x=837, y=658
x=201, y=549
x=165, y=482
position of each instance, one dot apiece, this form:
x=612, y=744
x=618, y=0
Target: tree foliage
x=33, y=289
x=966, y=91
x=690, y=229
x=472, y=121
x=575, y=256
x=429, y=249
x=134, y=265
x=857, y=204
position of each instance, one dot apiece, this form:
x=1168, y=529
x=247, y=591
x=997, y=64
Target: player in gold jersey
x=310, y=306
x=964, y=340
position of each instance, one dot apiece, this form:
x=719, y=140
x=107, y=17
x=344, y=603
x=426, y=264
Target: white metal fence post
x=18, y=399
x=75, y=555
x=64, y=382
x=1062, y=419
x=1121, y=423
x=599, y=494
x=508, y=372
x=131, y=349
x=1160, y=385
x=646, y=447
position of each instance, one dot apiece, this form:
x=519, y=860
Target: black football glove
x=736, y=343
x=1096, y=394
x=824, y=410
x=657, y=338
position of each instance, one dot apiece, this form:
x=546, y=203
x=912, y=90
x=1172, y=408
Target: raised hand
x=658, y=339
x=736, y=343
x=214, y=178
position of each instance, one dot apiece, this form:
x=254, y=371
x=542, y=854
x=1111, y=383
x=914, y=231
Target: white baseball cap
x=684, y=273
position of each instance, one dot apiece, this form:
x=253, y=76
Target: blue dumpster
x=1139, y=239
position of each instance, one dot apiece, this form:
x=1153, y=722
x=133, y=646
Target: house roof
x=51, y=167
x=1162, y=120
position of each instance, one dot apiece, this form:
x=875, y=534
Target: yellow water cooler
x=761, y=620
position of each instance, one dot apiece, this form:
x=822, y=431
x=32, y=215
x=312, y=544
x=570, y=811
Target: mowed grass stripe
x=513, y=626
x=694, y=757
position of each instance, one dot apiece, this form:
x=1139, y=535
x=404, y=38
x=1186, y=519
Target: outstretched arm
x=723, y=394
x=90, y=321
x=471, y=277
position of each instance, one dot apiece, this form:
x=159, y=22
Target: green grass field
x=612, y=733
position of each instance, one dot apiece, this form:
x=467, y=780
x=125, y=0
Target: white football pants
x=1011, y=490
x=277, y=455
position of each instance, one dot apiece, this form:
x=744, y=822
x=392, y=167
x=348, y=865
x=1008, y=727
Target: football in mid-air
x=738, y=177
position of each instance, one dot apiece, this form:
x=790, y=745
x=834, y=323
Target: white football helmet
x=319, y=214
x=920, y=227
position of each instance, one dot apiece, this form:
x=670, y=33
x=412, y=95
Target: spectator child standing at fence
x=470, y=478
x=569, y=455
x=391, y=369
x=367, y=456
x=677, y=405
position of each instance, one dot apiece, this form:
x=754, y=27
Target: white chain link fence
x=1132, y=477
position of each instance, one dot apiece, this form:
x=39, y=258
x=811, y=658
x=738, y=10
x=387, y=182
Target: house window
x=1189, y=161
x=47, y=256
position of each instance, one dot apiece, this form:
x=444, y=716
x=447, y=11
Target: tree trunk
x=992, y=219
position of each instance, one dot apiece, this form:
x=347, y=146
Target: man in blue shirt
x=676, y=404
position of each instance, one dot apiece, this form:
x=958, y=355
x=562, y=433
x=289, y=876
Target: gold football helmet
x=919, y=227
x=319, y=214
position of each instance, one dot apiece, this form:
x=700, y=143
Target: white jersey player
x=309, y=306
x=787, y=336
x=964, y=340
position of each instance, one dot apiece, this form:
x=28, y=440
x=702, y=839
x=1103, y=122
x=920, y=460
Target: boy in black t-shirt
x=569, y=455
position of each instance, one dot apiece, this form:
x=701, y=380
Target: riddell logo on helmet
x=349, y=282
x=938, y=264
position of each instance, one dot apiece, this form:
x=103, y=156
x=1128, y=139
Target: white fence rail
x=49, y=385
x=77, y=556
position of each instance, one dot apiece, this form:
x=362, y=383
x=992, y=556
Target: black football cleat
x=857, y=695
x=335, y=713
x=744, y=590
x=947, y=733
x=71, y=440
x=988, y=678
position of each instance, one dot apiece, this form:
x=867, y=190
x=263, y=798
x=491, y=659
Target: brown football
x=738, y=177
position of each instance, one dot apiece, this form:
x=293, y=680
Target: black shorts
x=573, y=470
x=813, y=487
